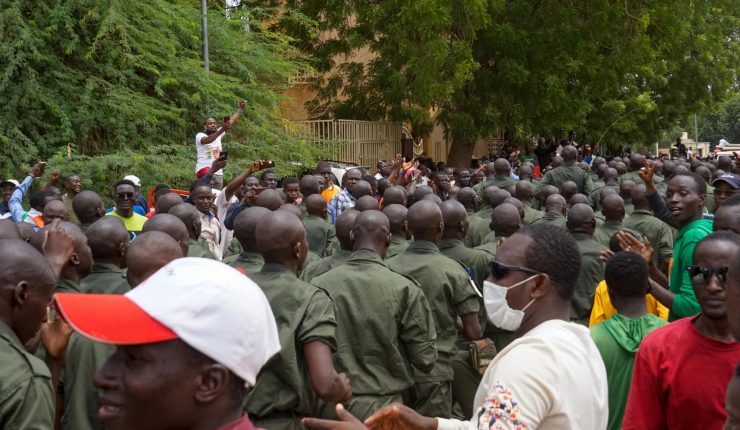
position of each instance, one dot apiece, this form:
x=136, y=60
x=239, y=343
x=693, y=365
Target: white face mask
x=498, y=310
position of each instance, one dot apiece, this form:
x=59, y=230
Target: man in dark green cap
x=384, y=324
x=446, y=284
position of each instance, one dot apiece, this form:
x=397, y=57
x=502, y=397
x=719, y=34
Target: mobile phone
x=224, y=155
x=227, y=118
x=270, y=163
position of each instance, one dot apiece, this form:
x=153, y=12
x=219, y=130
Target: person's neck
x=219, y=417
x=642, y=208
x=126, y=213
x=292, y=265
x=544, y=313
x=379, y=249
x=118, y=262
x=718, y=329
x=696, y=217
x=631, y=308
x=70, y=274
x=435, y=240
x=455, y=235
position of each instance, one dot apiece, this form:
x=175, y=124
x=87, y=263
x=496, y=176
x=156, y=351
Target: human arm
x=588, y=186
x=644, y=249
x=657, y=205
x=347, y=421
x=205, y=140
x=418, y=333
x=329, y=385
x=15, y=204
x=471, y=326
x=58, y=247
x=237, y=182
x=231, y=213
x=55, y=335
x=53, y=178
x=238, y=113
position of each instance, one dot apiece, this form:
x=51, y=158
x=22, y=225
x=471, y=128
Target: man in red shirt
x=682, y=369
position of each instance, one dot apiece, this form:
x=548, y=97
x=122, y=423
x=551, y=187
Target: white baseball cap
x=207, y=304
x=134, y=179
x=9, y=181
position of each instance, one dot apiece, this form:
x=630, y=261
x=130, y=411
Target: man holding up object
x=208, y=143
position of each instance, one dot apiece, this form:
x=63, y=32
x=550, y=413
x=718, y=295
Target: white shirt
x=222, y=206
x=551, y=378
x=723, y=143
x=208, y=152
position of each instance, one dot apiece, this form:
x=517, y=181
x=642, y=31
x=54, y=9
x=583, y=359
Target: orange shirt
x=330, y=192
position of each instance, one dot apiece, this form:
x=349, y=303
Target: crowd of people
x=559, y=291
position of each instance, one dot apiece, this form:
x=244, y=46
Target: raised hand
x=55, y=175
x=630, y=243
x=55, y=335
x=37, y=170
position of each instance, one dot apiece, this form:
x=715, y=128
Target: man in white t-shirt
x=208, y=143
x=550, y=377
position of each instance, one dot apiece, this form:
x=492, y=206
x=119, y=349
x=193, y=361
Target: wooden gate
x=357, y=142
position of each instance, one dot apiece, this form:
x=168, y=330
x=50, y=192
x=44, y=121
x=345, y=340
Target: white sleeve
x=452, y=424
x=199, y=137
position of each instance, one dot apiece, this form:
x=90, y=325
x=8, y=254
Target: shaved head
x=524, y=191
x=55, y=209
x=309, y=185
x=366, y=203
x=578, y=198
x=151, y=251
x=394, y=195
x=581, y=219
x=397, y=217
x=269, y=199
x=555, y=203
x=489, y=193
x=281, y=238
x=88, y=206
x=245, y=225
x=188, y=214
x=9, y=230
x=505, y=220
x=108, y=240
x=166, y=202
x=639, y=199
x=345, y=224
x=517, y=204
x=501, y=167
x=421, y=191
x=455, y=219
x=171, y=226
x=569, y=153
x=569, y=189
x=26, y=231
x=360, y=189
x=290, y=207
x=613, y=208
x=425, y=221
x=497, y=197
x=316, y=205
x=371, y=231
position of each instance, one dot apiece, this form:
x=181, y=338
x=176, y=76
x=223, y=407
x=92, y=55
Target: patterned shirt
x=341, y=202
x=210, y=231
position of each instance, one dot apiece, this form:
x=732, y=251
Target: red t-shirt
x=680, y=379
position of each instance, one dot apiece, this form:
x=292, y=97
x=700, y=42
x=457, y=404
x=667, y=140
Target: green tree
x=724, y=122
x=120, y=86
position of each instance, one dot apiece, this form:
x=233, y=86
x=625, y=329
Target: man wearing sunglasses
x=124, y=194
x=682, y=369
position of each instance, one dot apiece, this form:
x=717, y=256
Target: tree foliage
x=723, y=122
x=120, y=86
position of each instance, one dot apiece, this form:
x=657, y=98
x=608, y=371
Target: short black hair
x=627, y=275
x=554, y=252
x=265, y=173
x=722, y=235
x=370, y=179
x=161, y=186
x=701, y=184
x=38, y=199
x=123, y=182
x=238, y=386
x=290, y=180
x=160, y=192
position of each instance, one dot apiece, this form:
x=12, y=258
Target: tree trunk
x=461, y=153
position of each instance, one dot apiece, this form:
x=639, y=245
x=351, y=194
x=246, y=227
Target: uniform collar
x=105, y=268
x=423, y=245
x=66, y=285
x=277, y=268
x=398, y=239
x=450, y=243
x=9, y=334
x=642, y=211
x=250, y=256
x=366, y=255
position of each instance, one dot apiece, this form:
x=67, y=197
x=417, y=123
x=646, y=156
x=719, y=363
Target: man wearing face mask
x=551, y=376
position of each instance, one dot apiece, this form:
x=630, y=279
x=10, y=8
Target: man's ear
x=74, y=259
x=542, y=285
x=20, y=293
x=297, y=250
x=213, y=379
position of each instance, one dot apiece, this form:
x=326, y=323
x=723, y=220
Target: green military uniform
x=339, y=257
x=633, y=176
x=568, y=172
x=311, y=257
x=398, y=244
x=105, y=278
x=478, y=228
x=628, y=208
x=490, y=244
x=384, y=327
x=70, y=211
x=248, y=262
x=531, y=215
x=709, y=203
x=600, y=219
x=594, y=199
x=479, y=262
x=552, y=218
x=485, y=213
x=199, y=248
x=604, y=232
x=659, y=234
x=232, y=252
x=592, y=272
x=503, y=182
x=446, y=285
x=67, y=286
x=304, y=314
x=320, y=235
x=26, y=394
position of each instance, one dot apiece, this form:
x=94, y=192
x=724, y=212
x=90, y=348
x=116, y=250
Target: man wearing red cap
x=170, y=369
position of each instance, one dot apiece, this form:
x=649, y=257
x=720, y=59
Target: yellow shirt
x=603, y=309
x=133, y=223
x=331, y=192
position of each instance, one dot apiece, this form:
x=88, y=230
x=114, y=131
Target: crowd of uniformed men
x=564, y=291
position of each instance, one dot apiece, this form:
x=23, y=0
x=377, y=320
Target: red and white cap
x=208, y=305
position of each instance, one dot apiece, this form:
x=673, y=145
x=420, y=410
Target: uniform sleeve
x=588, y=184
x=417, y=330
x=645, y=410
x=465, y=299
x=319, y=322
x=30, y=406
x=665, y=244
x=685, y=303
x=331, y=236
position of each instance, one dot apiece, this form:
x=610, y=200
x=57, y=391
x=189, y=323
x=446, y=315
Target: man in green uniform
x=384, y=324
x=491, y=195
x=659, y=234
x=569, y=171
x=400, y=233
x=617, y=339
x=340, y=255
x=108, y=241
x=170, y=225
x=189, y=215
x=88, y=206
x=581, y=224
x=635, y=164
x=610, y=179
x=245, y=226
x=498, y=175
x=394, y=195
x=309, y=185
x=77, y=266
x=478, y=227
x=321, y=233
x=149, y=252
x=625, y=192
x=524, y=191
x=456, y=225
x=446, y=286
x=287, y=387
x=555, y=211
x=613, y=210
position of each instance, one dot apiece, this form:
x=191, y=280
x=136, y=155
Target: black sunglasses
x=125, y=196
x=706, y=273
x=500, y=270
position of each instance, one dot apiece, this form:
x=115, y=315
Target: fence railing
x=359, y=142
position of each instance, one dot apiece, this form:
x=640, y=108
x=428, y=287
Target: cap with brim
x=730, y=178
x=12, y=182
x=111, y=318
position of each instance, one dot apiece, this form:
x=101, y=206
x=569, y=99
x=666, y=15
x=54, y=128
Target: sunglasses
x=500, y=270
x=125, y=196
x=706, y=273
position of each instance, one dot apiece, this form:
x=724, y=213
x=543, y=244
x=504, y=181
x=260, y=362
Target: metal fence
x=359, y=142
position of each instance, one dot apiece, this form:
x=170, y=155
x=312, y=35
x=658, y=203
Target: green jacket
x=594, y=199
x=605, y=231
x=398, y=244
x=384, y=325
x=478, y=228
x=633, y=176
x=531, y=215
x=617, y=340
x=320, y=234
x=478, y=262
x=311, y=257
x=503, y=182
x=490, y=244
x=447, y=288
x=553, y=218
x=339, y=257
x=249, y=262
x=592, y=272
x=105, y=278
x=26, y=395
x=658, y=233
x=303, y=314
x=199, y=248
x=569, y=172
x=67, y=286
